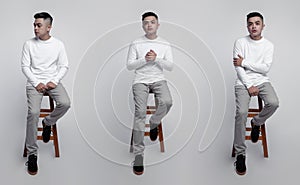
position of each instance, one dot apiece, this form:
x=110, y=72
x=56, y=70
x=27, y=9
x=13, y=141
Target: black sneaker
x=153, y=134
x=46, y=132
x=255, y=132
x=240, y=165
x=32, y=167
x=138, y=167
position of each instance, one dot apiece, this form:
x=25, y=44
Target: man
x=149, y=56
x=252, y=58
x=44, y=63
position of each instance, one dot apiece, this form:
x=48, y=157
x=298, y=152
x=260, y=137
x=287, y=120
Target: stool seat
x=263, y=138
x=54, y=137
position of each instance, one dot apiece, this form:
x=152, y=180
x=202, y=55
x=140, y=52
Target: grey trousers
x=34, y=99
x=163, y=101
x=271, y=103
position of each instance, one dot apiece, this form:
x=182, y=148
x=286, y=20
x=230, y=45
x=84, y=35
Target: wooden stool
x=151, y=110
x=251, y=113
x=53, y=137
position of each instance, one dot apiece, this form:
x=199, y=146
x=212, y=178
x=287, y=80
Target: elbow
x=170, y=68
x=129, y=67
x=266, y=69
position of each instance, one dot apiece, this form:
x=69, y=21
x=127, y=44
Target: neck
x=45, y=37
x=151, y=36
x=256, y=37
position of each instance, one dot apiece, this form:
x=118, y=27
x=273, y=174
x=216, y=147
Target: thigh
x=140, y=95
x=242, y=98
x=267, y=93
x=34, y=99
x=59, y=94
x=161, y=90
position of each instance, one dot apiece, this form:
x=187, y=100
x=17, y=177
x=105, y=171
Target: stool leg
x=264, y=141
x=161, y=138
x=55, y=140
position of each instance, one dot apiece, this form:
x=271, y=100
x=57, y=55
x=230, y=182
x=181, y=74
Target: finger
x=240, y=56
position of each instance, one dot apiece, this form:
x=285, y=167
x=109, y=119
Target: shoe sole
x=32, y=173
x=153, y=139
x=138, y=173
x=45, y=141
x=240, y=173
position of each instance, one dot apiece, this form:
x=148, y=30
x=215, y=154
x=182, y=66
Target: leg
x=140, y=93
x=60, y=96
x=34, y=99
x=163, y=101
x=242, y=106
x=268, y=95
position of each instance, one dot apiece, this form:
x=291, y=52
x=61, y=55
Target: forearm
x=165, y=64
x=30, y=76
x=262, y=67
x=61, y=73
x=133, y=64
x=242, y=76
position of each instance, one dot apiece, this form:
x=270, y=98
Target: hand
x=50, y=85
x=150, y=56
x=253, y=91
x=238, y=61
x=41, y=87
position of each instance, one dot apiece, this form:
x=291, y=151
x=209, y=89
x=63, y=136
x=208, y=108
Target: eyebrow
x=249, y=22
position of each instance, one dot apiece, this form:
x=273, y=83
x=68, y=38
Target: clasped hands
x=42, y=87
x=150, y=56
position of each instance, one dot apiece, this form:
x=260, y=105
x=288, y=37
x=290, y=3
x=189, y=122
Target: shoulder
x=30, y=41
x=139, y=40
x=56, y=40
x=268, y=43
x=242, y=39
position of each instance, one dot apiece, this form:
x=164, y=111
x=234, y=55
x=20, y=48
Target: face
x=42, y=28
x=150, y=25
x=255, y=26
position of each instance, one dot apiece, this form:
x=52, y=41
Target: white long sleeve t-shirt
x=258, y=57
x=44, y=61
x=151, y=71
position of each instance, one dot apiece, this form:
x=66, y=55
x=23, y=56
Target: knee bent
x=274, y=104
x=65, y=104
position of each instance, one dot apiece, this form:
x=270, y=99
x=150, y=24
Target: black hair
x=255, y=14
x=45, y=16
x=147, y=14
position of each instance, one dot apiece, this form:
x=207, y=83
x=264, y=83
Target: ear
x=49, y=27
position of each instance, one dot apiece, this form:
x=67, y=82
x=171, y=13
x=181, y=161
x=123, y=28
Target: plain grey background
x=95, y=133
